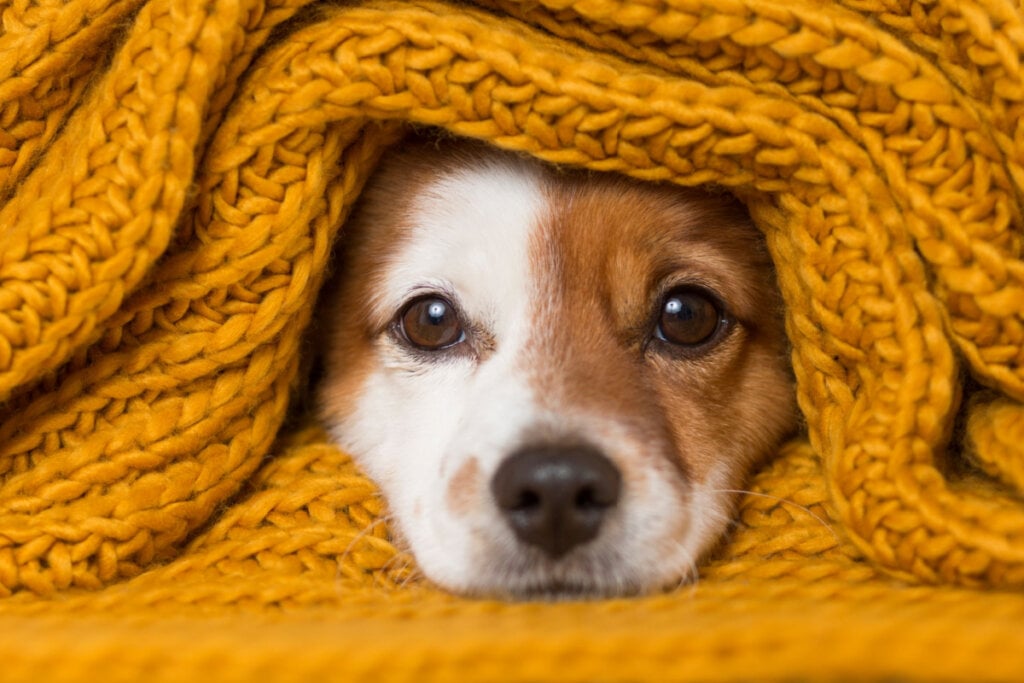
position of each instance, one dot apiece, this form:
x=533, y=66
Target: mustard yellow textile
x=173, y=174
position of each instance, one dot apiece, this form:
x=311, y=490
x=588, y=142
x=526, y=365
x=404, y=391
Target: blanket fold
x=175, y=173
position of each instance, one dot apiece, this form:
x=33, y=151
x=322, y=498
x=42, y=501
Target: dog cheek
x=694, y=427
x=765, y=411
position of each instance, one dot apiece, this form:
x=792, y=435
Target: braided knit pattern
x=995, y=441
x=173, y=176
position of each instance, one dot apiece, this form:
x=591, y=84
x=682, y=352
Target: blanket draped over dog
x=173, y=174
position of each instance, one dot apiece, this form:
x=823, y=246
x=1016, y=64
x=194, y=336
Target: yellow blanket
x=173, y=173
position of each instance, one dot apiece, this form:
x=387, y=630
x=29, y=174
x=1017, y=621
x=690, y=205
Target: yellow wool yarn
x=174, y=174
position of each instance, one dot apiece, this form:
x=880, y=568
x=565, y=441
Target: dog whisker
x=363, y=533
x=399, y=565
x=412, y=573
x=691, y=574
x=785, y=501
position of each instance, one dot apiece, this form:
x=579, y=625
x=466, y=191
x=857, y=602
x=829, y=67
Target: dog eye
x=431, y=323
x=688, y=317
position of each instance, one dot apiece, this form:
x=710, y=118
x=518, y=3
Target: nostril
x=587, y=499
x=554, y=497
x=527, y=500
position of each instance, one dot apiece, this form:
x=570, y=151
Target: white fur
x=471, y=240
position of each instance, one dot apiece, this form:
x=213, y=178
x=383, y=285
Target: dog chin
x=531, y=576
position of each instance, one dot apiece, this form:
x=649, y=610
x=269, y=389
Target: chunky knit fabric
x=173, y=175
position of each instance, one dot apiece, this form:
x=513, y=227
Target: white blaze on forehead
x=469, y=236
x=466, y=235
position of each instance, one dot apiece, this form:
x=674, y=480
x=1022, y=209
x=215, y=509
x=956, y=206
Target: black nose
x=556, y=497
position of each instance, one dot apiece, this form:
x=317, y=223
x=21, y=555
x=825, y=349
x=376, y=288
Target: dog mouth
x=556, y=591
x=578, y=588
x=586, y=573
x=560, y=591
x=600, y=581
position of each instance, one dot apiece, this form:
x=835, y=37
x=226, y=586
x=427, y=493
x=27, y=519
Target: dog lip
x=559, y=592
x=527, y=573
x=568, y=590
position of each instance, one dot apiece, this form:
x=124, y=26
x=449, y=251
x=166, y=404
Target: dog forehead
x=469, y=231
x=612, y=243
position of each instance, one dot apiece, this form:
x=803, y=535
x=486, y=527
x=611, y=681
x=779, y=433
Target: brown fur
x=603, y=252
x=379, y=223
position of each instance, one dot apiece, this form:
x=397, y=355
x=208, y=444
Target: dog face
x=556, y=378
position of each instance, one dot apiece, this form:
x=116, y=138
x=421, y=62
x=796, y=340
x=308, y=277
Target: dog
x=559, y=379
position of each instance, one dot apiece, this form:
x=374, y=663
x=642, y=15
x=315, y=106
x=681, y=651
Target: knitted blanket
x=174, y=172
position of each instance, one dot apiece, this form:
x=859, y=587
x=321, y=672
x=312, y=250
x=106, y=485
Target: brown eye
x=431, y=323
x=688, y=317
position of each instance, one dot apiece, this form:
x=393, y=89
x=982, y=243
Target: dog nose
x=556, y=497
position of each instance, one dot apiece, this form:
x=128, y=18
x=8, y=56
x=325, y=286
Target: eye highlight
x=431, y=323
x=689, y=316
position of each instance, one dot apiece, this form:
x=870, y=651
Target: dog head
x=557, y=378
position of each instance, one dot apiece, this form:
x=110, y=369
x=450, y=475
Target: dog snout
x=556, y=497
